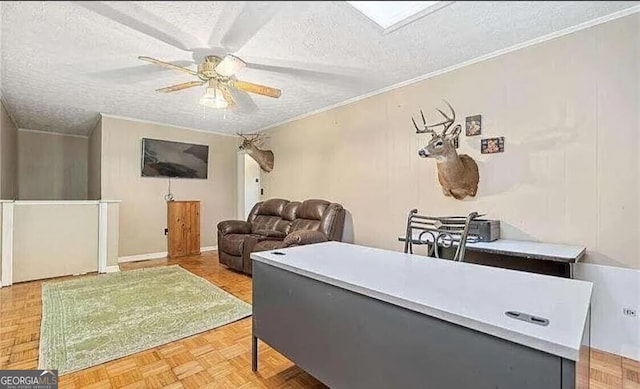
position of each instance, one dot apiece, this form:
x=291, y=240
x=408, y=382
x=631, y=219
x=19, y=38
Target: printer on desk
x=481, y=230
x=485, y=230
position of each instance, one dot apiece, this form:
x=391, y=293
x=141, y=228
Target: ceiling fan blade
x=244, y=101
x=168, y=65
x=134, y=74
x=229, y=65
x=139, y=19
x=253, y=16
x=227, y=96
x=177, y=87
x=256, y=88
x=338, y=77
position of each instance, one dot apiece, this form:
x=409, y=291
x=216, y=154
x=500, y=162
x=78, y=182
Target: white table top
x=466, y=294
x=521, y=248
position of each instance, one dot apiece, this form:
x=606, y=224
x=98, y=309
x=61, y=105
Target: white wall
x=615, y=288
x=143, y=213
x=52, y=166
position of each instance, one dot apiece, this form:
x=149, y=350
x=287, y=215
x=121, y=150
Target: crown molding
x=108, y=115
x=52, y=133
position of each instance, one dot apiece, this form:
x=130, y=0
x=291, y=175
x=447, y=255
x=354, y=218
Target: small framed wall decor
x=473, y=125
x=492, y=145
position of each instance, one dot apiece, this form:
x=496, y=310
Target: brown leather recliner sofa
x=278, y=223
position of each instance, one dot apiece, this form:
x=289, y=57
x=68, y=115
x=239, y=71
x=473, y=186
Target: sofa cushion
x=262, y=222
x=332, y=223
x=290, y=210
x=234, y=227
x=266, y=245
x=273, y=234
x=232, y=243
x=304, y=224
x=312, y=209
x=301, y=237
x=272, y=207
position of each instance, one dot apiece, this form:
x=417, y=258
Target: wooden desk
x=358, y=317
x=549, y=258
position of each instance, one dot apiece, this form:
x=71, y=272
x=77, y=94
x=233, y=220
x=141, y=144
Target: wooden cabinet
x=183, y=223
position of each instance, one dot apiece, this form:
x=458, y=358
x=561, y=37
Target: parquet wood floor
x=219, y=358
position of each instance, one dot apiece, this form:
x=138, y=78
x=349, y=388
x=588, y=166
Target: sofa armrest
x=271, y=234
x=301, y=237
x=234, y=227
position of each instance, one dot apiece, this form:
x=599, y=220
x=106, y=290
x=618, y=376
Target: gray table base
x=348, y=340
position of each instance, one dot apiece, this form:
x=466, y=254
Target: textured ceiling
x=63, y=62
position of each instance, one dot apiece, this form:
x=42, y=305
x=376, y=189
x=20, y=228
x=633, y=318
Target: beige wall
x=94, y=162
x=52, y=166
x=569, y=111
x=8, y=156
x=143, y=214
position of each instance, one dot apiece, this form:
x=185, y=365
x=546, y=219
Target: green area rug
x=93, y=320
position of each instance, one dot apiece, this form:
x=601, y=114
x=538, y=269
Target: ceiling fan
x=219, y=75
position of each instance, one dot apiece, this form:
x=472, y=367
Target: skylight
x=393, y=14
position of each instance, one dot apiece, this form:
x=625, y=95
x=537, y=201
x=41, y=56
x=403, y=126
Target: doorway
x=248, y=184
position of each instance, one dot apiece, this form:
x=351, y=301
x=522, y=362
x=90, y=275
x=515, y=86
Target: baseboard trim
x=142, y=257
x=112, y=269
x=163, y=254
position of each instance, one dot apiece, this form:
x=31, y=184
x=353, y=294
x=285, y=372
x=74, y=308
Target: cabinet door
x=184, y=228
x=175, y=223
x=193, y=234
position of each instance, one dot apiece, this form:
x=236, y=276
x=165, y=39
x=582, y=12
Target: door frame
x=241, y=190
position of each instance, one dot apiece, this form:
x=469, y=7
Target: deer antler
x=447, y=123
x=428, y=128
x=250, y=137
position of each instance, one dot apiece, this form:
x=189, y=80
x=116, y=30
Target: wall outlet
x=629, y=312
x=166, y=231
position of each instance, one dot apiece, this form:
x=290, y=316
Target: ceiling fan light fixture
x=213, y=99
x=229, y=65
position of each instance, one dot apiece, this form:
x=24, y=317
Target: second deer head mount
x=457, y=173
x=252, y=143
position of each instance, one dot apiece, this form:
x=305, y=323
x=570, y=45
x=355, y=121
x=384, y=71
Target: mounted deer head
x=458, y=174
x=251, y=144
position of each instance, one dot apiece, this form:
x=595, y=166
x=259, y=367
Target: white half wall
x=614, y=288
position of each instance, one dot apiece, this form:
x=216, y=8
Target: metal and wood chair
x=439, y=232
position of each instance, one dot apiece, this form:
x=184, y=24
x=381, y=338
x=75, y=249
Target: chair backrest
x=437, y=232
x=320, y=215
x=268, y=215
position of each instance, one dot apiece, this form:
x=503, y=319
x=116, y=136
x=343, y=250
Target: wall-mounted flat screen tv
x=162, y=158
